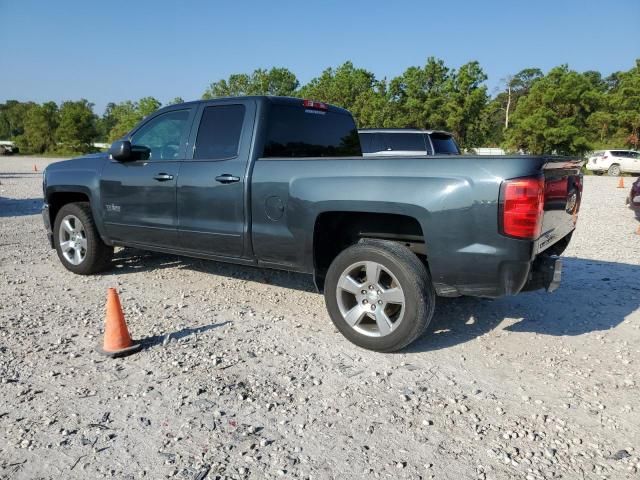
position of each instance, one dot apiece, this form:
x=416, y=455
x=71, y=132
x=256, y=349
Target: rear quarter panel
x=454, y=199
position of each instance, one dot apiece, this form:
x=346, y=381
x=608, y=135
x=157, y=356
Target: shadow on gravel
x=156, y=340
x=593, y=296
x=135, y=261
x=17, y=207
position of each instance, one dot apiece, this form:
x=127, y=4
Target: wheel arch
x=336, y=230
x=57, y=198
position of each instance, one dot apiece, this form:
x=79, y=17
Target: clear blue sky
x=118, y=50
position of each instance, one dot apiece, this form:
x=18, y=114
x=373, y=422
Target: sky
x=120, y=50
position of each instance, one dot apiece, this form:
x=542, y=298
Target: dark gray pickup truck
x=281, y=183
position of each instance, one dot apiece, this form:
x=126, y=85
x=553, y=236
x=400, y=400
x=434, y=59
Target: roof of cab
x=294, y=101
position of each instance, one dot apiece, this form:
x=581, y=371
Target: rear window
x=444, y=144
x=410, y=142
x=372, y=142
x=296, y=131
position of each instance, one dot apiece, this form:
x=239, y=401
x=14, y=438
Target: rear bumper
x=46, y=219
x=514, y=277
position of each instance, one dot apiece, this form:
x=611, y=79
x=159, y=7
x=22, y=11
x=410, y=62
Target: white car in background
x=614, y=162
x=7, y=147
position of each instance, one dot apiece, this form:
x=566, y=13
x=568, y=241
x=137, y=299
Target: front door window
x=161, y=138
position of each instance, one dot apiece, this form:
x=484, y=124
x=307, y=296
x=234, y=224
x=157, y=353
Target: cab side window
x=161, y=138
x=219, y=132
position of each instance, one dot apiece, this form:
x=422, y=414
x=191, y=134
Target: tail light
x=521, y=207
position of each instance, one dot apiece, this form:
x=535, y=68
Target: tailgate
x=563, y=192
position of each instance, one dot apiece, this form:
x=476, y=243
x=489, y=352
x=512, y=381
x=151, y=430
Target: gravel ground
x=242, y=374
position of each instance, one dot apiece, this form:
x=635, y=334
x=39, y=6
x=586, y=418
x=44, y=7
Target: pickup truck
x=281, y=183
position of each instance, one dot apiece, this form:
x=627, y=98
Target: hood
x=90, y=161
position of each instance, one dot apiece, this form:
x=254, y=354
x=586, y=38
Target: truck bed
x=455, y=200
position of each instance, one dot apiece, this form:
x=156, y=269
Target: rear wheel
x=614, y=170
x=379, y=295
x=77, y=241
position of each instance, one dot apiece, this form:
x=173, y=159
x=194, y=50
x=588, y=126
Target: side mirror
x=121, y=150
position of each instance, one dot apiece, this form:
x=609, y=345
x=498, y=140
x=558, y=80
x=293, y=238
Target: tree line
x=561, y=111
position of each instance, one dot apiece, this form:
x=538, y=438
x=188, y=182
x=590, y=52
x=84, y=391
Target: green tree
x=466, y=100
x=176, y=100
x=126, y=115
x=40, y=124
x=106, y=122
x=374, y=108
x=624, y=104
x=600, y=124
x=497, y=115
x=12, y=117
x=553, y=117
x=418, y=96
x=346, y=87
x=77, y=128
x=276, y=81
x=147, y=105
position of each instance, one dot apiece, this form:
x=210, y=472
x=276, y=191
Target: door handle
x=163, y=177
x=226, y=178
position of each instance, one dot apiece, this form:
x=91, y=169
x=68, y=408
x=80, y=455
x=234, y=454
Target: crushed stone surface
x=243, y=376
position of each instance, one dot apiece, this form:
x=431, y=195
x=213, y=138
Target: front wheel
x=379, y=295
x=77, y=241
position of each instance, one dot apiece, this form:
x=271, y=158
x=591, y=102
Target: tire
x=614, y=170
x=399, y=274
x=75, y=226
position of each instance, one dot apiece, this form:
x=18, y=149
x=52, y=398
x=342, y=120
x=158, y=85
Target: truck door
x=211, y=184
x=139, y=196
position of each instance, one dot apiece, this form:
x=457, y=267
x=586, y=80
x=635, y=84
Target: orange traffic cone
x=621, y=183
x=117, y=342
x=35, y=167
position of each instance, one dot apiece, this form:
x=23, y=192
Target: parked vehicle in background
x=633, y=200
x=406, y=142
x=7, y=147
x=489, y=151
x=614, y=162
x=281, y=183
